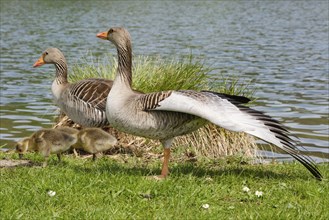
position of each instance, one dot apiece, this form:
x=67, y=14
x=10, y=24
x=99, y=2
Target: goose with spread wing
x=84, y=101
x=167, y=114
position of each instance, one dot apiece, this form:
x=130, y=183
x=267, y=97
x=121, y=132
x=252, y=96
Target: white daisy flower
x=205, y=206
x=51, y=193
x=259, y=193
x=245, y=189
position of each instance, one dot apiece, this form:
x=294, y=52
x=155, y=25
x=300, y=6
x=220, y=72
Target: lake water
x=281, y=45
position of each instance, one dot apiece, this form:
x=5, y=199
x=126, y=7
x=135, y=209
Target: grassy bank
x=205, y=182
x=117, y=188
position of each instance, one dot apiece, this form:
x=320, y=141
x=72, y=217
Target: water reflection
x=282, y=45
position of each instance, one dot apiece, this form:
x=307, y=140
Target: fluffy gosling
x=94, y=140
x=46, y=142
x=68, y=130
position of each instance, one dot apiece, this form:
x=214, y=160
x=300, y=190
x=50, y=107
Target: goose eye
x=46, y=53
x=110, y=31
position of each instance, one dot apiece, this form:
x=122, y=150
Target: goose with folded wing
x=84, y=101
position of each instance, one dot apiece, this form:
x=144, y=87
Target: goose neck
x=61, y=72
x=125, y=65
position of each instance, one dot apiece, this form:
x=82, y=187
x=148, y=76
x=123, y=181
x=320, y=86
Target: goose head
x=22, y=147
x=50, y=56
x=119, y=36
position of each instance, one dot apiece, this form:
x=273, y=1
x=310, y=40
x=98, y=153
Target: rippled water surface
x=281, y=45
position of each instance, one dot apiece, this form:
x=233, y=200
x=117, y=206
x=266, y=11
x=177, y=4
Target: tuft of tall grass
x=151, y=74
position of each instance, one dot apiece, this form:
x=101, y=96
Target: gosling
x=68, y=130
x=46, y=142
x=94, y=140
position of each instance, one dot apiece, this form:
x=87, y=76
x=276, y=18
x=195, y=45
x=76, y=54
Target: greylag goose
x=94, y=140
x=84, y=101
x=46, y=142
x=167, y=114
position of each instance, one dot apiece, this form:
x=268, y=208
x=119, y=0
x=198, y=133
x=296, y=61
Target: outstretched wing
x=226, y=111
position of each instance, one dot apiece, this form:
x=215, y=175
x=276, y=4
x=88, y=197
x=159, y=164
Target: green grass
x=108, y=189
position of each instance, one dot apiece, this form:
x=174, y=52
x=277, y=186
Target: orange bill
x=39, y=62
x=102, y=35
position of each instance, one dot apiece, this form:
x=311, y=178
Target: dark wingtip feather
x=235, y=99
x=282, y=133
x=309, y=164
